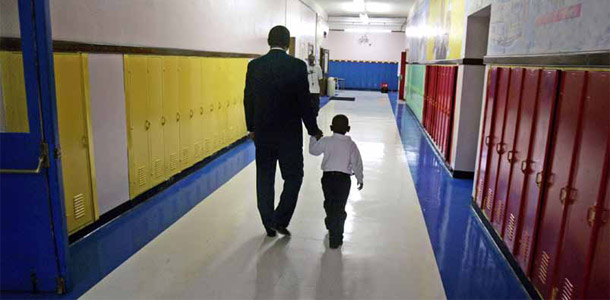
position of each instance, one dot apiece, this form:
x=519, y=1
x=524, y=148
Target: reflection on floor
x=470, y=264
x=218, y=250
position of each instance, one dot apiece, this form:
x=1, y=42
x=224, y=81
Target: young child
x=341, y=160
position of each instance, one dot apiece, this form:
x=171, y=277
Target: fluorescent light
x=365, y=30
x=378, y=7
x=364, y=18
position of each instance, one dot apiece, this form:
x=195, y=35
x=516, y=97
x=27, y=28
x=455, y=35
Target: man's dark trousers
x=336, y=186
x=315, y=102
x=289, y=153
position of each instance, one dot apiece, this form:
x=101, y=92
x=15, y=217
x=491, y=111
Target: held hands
x=251, y=135
x=319, y=135
x=360, y=185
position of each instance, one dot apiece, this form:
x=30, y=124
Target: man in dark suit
x=276, y=100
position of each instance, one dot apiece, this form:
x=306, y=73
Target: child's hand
x=360, y=185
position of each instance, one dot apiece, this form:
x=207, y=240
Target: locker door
x=433, y=95
x=184, y=96
x=488, y=123
x=495, y=140
x=71, y=84
x=197, y=108
x=597, y=285
x=241, y=85
x=578, y=241
x=208, y=106
x=440, y=96
x=215, y=104
x=171, y=119
x=426, y=96
x=449, y=113
x=557, y=181
x=225, y=72
x=536, y=167
x=136, y=99
x=520, y=158
x=507, y=148
x=156, y=145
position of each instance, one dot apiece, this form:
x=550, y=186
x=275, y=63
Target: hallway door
x=403, y=75
x=33, y=232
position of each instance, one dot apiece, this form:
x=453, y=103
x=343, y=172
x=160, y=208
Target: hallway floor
x=219, y=250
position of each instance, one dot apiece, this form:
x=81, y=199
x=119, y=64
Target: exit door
x=33, y=236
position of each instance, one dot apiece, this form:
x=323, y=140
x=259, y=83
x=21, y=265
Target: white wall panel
x=380, y=46
x=301, y=21
x=239, y=26
x=109, y=129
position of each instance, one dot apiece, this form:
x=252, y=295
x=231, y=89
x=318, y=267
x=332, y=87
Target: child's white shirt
x=340, y=155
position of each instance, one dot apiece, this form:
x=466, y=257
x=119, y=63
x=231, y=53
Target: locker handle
x=592, y=215
x=487, y=140
x=565, y=195
x=538, y=178
x=499, y=148
x=211, y=107
x=146, y=124
x=510, y=156
x=191, y=113
x=201, y=110
x=177, y=117
x=524, y=164
x=163, y=120
x=84, y=141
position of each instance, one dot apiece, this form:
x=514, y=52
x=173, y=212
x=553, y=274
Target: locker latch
x=566, y=196
x=592, y=215
x=44, y=155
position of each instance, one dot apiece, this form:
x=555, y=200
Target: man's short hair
x=279, y=36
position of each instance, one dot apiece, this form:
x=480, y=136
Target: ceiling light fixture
x=364, y=18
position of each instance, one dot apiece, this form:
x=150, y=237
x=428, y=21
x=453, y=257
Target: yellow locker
x=136, y=100
x=241, y=85
x=215, y=93
x=208, y=107
x=197, y=106
x=171, y=116
x=156, y=143
x=14, y=104
x=71, y=82
x=225, y=89
x=186, y=112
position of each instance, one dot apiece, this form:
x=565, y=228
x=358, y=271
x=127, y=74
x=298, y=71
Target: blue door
x=33, y=237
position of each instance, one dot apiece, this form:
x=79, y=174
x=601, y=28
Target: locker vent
x=568, y=290
x=79, y=206
x=544, y=267
x=511, y=227
x=173, y=161
x=158, y=168
x=185, y=155
x=480, y=188
x=499, y=211
x=141, y=176
x=488, y=198
x=525, y=246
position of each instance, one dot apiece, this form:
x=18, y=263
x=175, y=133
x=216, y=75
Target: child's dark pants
x=336, y=186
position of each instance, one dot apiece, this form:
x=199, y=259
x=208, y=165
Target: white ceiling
x=376, y=8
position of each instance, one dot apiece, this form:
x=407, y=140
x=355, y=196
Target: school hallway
x=395, y=245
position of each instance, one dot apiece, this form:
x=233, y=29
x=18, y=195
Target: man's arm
x=249, y=99
x=304, y=101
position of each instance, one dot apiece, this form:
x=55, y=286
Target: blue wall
x=365, y=75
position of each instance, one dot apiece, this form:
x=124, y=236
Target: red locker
x=426, y=108
x=520, y=157
x=506, y=149
x=536, y=168
x=585, y=191
x=450, y=113
x=558, y=179
x=496, y=140
x=597, y=280
x=488, y=123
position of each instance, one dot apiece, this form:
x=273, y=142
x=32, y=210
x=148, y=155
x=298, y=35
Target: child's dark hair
x=340, y=124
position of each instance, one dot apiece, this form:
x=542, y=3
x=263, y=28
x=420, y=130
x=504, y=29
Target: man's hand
x=360, y=185
x=251, y=135
x=319, y=135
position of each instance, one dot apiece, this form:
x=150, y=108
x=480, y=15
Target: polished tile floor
x=218, y=250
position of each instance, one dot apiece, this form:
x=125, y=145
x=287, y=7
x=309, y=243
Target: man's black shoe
x=335, y=244
x=281, y=230
x=270, y=232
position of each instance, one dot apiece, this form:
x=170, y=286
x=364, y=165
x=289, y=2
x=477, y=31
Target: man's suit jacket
x=277, y=99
